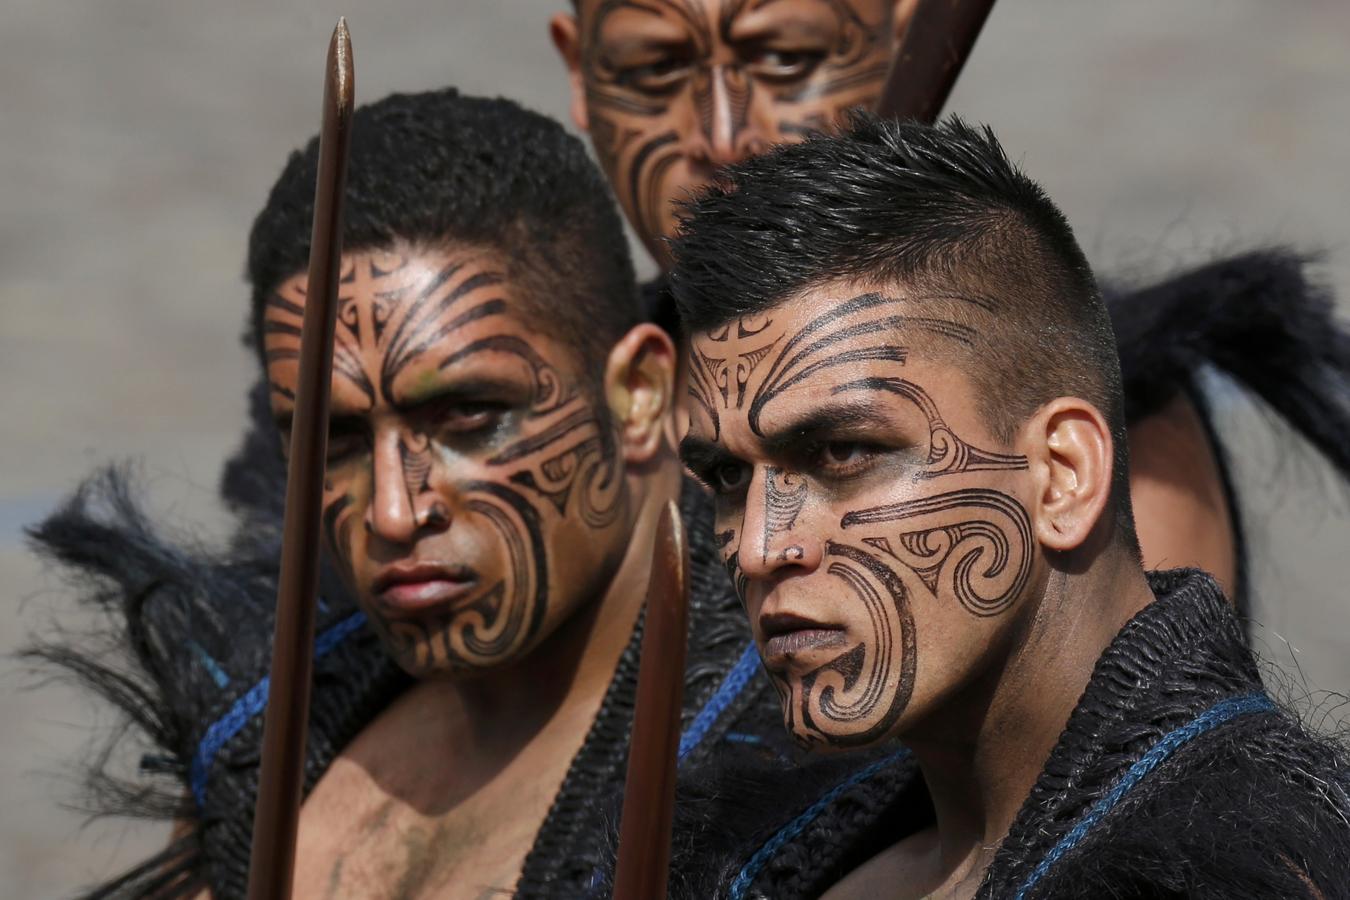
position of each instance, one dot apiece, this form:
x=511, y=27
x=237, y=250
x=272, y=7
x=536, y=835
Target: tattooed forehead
x=842, y=349
x=405, y=319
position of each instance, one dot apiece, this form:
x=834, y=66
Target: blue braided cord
x=1211, y=718
x=250, y=705
x=735, y=681
x=789, y=831
x=212, y=667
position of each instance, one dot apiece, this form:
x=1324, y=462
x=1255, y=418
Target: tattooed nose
x=416, y=457
x=722, y=98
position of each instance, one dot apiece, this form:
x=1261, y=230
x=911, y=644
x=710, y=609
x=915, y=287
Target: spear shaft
x=649, y=790
x=277, y=809
x=937, y=42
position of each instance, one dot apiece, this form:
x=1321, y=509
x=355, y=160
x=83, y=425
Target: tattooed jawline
x=827, y=706
x=404, y=325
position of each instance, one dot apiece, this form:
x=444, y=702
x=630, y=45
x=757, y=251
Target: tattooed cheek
x=337, y=517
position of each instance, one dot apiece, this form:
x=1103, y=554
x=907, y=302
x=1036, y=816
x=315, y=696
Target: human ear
x=1070, y=452
x=639, y=388
x=901, y=15
x=567, y=38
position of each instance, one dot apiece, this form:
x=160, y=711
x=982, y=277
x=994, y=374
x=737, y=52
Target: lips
x=788, y=637
x=415, y=587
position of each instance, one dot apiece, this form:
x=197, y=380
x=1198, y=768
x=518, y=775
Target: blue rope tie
x=1211, y=718
x=752, y=868
x=737, y=677
x=254, y=701
x=251, y=704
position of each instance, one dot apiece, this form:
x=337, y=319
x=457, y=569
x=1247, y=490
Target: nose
x=726, y=133
x=403, y=501
x=774, y=541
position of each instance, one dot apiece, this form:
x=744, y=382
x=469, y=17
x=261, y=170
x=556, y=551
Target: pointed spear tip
x=340, y=66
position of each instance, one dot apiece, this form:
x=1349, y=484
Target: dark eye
x=729, y=477
x=344, y=444
x=844, y=458
x=784, y=65
x=469, y=417
x=842, y=452
x=656, y=77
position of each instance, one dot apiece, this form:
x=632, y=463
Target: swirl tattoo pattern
x=855, y=698
x=395, y=327
x=971, y=545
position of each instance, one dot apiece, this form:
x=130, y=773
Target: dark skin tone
x=490, y=500
x=906, y=573
x=671, y=89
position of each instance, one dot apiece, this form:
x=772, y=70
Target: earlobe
x=562, y=28
x=1070, y=451
x=639, y=390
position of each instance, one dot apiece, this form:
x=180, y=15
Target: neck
x=982, y=753
x=576, y=663
x=562, y=681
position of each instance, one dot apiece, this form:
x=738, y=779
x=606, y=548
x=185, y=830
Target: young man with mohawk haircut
x=921, y=494
x=670, y=90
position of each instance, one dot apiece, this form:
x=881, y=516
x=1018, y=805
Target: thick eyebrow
x=339, y=423
x=821, y=422
x=460, y=388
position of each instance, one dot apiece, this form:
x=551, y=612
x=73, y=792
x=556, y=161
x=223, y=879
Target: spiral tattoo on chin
x=856, y=698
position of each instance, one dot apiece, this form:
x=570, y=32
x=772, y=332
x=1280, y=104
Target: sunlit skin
x=442, y=421
x=906, y=573
x=634, y=71
x=490, y=502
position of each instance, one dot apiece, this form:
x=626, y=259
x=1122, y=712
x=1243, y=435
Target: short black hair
x=437, y=167
x=883, y=202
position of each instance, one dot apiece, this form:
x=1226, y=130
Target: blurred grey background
x=139, y=138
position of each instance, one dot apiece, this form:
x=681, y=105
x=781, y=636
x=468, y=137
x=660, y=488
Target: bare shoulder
x=1181, y=510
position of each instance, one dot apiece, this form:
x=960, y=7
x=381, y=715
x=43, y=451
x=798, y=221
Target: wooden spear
x=935, y=47
x=276, y=812
x=649, y=790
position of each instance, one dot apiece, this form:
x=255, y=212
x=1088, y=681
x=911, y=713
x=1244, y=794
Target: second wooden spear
x=937, y=42
x=277, y=809
x=649, y=789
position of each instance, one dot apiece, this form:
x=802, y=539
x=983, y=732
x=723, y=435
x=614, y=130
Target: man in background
x=498, y=455
x=669, y=90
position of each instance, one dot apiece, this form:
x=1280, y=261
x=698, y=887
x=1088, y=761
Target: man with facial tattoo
x=670, y=90
x=921, y=492
x=497, y=459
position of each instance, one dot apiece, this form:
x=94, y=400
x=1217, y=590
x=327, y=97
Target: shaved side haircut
x=933, y=210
